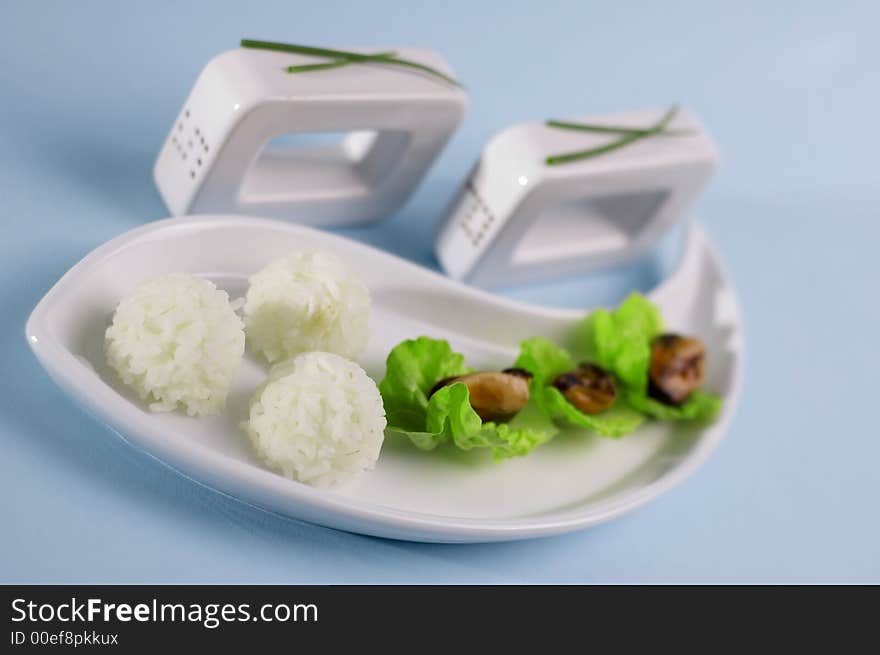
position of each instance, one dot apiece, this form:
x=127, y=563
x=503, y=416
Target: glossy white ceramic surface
x=575, y=481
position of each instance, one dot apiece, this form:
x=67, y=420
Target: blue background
x=791, y=91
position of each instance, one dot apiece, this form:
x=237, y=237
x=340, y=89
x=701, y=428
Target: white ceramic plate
x=575, y=481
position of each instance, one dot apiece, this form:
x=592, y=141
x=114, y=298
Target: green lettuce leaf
x=620, y=342
x=700, y=406
x=618, y=420
x=545, y=360
x=413, y=368
x=529, y=429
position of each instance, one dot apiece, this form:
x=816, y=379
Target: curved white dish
x=576, y=480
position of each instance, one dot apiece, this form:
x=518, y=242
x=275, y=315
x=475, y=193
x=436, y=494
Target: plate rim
x=260, y=487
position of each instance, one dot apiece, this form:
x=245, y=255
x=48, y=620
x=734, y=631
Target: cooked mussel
x=495, y=395
x=590, y=388
x=677, y=364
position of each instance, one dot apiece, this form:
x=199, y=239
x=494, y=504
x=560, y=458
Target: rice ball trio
x=318, y=418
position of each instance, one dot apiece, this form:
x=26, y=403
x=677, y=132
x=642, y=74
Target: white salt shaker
x=517, y=219
x=219, y=156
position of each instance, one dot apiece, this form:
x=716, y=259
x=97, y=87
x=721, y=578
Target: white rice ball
x=304, y=302
x=176, y=340
x=318, y=419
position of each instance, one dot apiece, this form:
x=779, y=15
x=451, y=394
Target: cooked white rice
x=305, y=302
x=318, y=419
x=176, y=340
